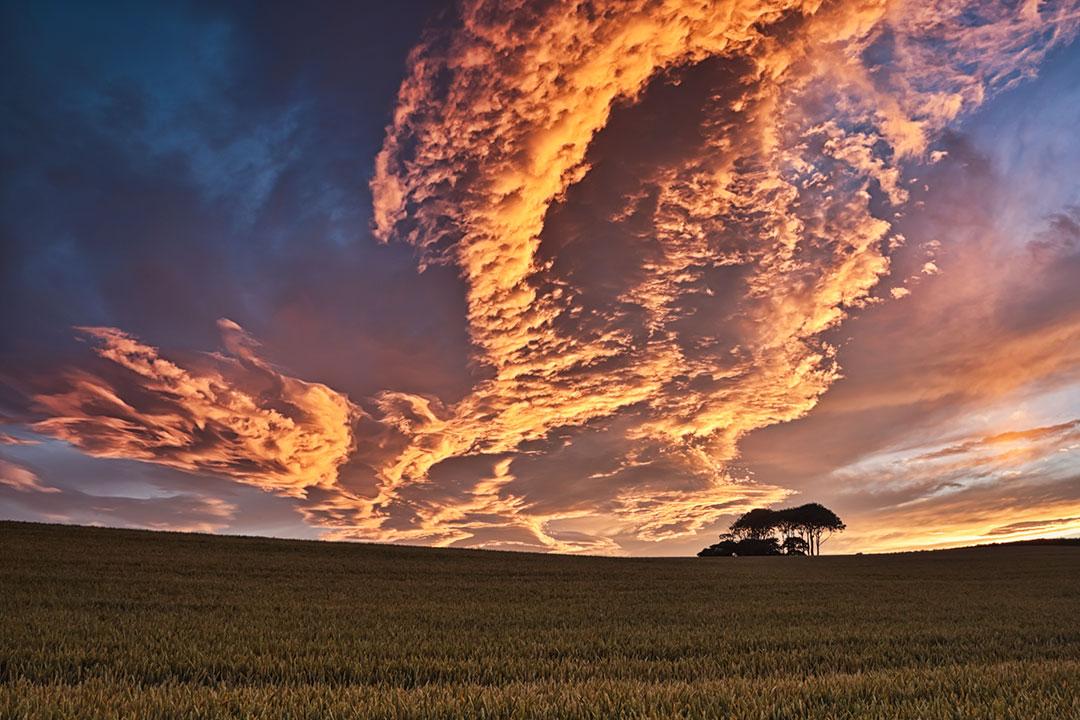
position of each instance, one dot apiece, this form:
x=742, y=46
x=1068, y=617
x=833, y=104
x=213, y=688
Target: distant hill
x=1056, y=542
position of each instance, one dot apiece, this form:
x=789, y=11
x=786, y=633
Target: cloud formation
x=21, y=479
x=663, y=215
x=231, y=415
x=789, y=183
x=9, y=440
x=956, y=413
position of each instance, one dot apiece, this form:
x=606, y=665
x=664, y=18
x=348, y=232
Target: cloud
x=956, y=414
x=181, y=512
x=985, y=506
x=645, y=289
x=21, y=479
x=785, y=186
x=1063, y=235
x=9, y=440
x=1027, y=440
x=232, y=415
x=1037, y=526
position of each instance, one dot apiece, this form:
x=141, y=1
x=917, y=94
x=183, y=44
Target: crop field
x=131, y=624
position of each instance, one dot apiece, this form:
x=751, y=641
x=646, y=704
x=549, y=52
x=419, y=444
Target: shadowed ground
x=118, y=623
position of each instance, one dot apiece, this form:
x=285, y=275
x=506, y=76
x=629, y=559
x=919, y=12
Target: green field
x=116, y=623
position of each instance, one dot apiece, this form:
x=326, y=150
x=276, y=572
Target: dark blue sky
x=170, y=164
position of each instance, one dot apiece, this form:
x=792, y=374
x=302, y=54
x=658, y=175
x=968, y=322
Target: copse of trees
x=804, y=529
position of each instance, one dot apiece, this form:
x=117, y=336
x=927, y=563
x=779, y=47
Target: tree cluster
x=802, y=528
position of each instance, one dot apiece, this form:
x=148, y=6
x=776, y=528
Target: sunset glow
x=565, y=277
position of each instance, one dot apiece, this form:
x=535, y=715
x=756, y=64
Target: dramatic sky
x=561, y=275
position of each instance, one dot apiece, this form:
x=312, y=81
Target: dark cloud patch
x=1063, y=236
x=158, y=177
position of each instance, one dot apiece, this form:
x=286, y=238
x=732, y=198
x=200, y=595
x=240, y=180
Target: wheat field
x=132, y=624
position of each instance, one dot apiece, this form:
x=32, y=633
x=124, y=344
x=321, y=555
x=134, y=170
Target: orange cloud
x=1062, y=433
x=493, y=130
x=9, y=440
x=978, y=516
x=1036, y=527
x=21, y=479
x=235, y=416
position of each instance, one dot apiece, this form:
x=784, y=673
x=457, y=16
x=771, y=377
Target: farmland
x=117, y=623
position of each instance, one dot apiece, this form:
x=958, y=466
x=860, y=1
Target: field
x=114, y=623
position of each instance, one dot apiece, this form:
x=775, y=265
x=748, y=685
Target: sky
x=557, y=276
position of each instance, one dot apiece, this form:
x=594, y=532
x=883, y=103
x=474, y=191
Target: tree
x=824, y=523
x=745, y=547
x=804, y=528
x=727, y=547
x=788, y=525
x=757, y=524
x=794, y=545
x=813, y=522
x=758, y=546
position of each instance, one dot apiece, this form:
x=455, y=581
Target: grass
x=117, y=623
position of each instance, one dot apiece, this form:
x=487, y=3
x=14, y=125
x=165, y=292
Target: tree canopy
x=804, y=528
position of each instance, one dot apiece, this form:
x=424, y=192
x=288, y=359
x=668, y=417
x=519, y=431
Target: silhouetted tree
x=804, y=528
x=788, y=526
x=744, y=547
x=727, y=547
x=814, y=523
x=758, y=546
x=757, y=524
x=794, y=545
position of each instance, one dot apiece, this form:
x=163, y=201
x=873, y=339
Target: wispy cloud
x=21, y=479
x=9, y=440
x=1036, y=526
x=231, y=415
